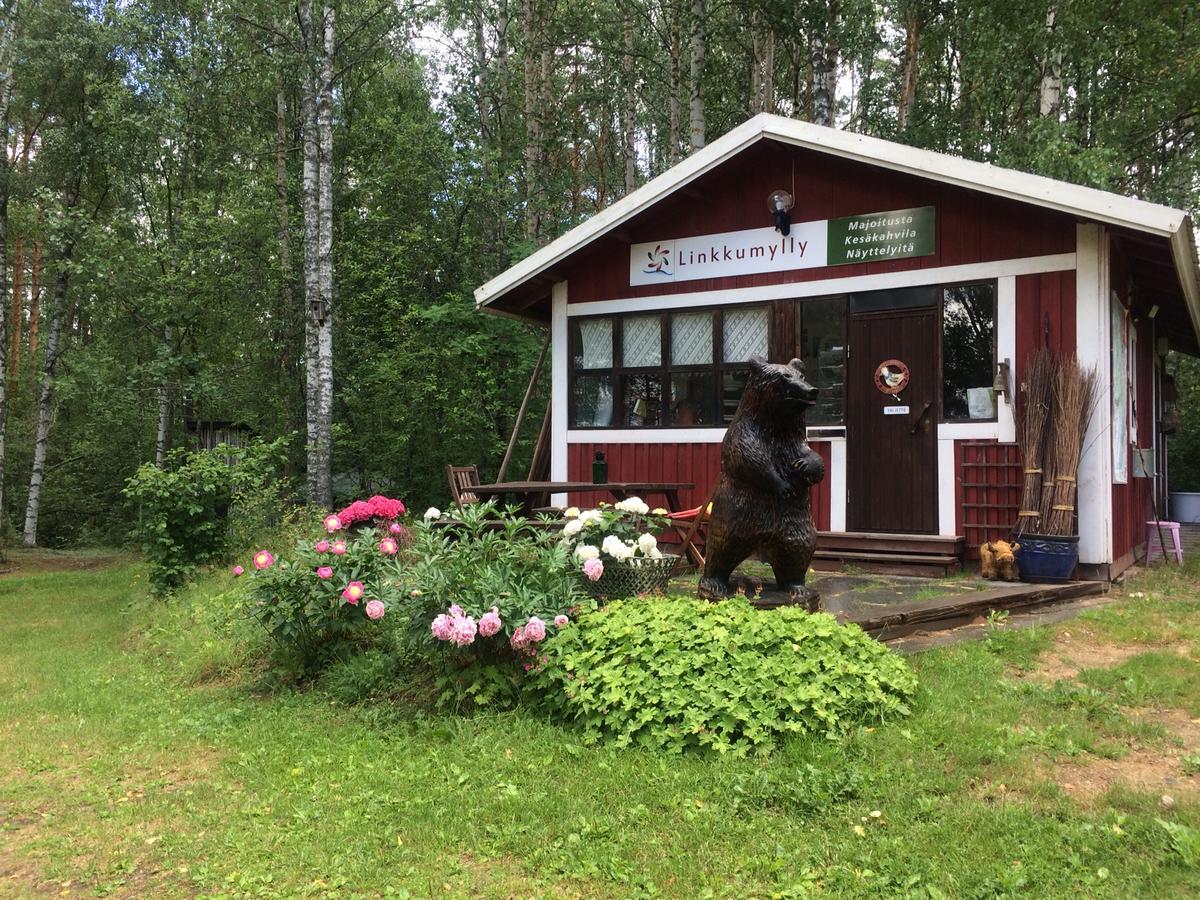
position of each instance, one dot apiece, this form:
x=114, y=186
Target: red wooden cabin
x=956, y=269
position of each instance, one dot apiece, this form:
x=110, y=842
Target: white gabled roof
x=1090, y=203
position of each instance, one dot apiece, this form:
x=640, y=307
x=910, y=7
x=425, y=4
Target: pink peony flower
x=593, y=569
x=389, y=547
x=332, y=523
x=518, y=639
x=338, y=548
x=441, y=627
x=237, y=570
x=375, y=609
x=325, y=572
x=353, y=592
x=462, y=631
x=535, y=629
x=263, y=560
x=322, y=546
x=489, y=622
x=456, y=610
x=395, y=528
x=560, y=621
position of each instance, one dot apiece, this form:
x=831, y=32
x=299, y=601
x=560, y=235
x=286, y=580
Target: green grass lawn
x=144, y=763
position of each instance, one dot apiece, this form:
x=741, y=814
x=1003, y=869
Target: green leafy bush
x=679, y=673
x=185, y=504
x=480, y=594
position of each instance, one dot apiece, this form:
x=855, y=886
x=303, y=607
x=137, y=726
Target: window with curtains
x=673, y=369
x=968, y=352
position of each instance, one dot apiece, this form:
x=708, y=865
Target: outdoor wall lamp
x=779, y=203
x=1001, y=384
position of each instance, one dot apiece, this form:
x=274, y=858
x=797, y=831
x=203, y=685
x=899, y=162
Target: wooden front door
x=891, y=439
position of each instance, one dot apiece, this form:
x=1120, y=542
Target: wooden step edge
x=884, y=557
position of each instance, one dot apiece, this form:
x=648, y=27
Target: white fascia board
x=1091, y=203
x=1183, y=250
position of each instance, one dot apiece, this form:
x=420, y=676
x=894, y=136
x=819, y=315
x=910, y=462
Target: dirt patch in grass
x=36, y=562
x=1082, y=648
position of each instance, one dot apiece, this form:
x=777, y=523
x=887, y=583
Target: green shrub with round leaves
x=680, y=673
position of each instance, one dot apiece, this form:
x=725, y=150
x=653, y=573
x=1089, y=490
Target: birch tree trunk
x=767, y=101
x=313, y=309
x=533, y=123
x=1050, y=90
x=324, y=409
x=912, y=54
x=45, y=412
x=164, y=405
x=674, y=103
x=696, y=74
x=822, y=82
x=629, y=110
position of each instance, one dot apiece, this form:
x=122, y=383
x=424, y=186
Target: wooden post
x=533, y=380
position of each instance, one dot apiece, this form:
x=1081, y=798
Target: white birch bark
x=164, y=406
x=822, y=90
x=324, y=386
x=676, y=106
x=696, y=72
x=1050, y=90
x=45, y=412
x=312, y=300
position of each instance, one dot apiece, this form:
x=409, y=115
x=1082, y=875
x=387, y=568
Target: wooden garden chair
x=461, y=479
x=692, y=526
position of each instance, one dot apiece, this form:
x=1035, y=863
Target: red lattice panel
x=990, y=484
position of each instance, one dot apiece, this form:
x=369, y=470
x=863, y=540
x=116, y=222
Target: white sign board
x=895, y=410
x=729, y=253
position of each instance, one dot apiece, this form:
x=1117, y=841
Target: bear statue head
x=781, y=388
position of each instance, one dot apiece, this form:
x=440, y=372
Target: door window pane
x=643, y=400
x=733, y=383
x=592, y=342
x=691, y=339
x=744, y=334
x=593, y=401
x=693, y=399
x=643, y=342
x=968, y=351
x=822, y=337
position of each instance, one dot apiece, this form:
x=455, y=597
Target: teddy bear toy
x=998, y=561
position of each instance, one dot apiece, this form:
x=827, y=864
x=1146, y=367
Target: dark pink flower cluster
x=377, y=507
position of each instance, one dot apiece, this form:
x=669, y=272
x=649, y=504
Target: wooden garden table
x=527, y=492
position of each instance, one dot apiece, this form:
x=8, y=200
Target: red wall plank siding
x=1038, y=296
x=699, y=464
x=971, y=227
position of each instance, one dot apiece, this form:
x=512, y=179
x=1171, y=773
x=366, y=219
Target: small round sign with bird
x=891, y=376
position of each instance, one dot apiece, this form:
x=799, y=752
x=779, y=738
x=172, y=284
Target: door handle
x=920, y=416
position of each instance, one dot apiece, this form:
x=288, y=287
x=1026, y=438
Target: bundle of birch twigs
x=1033, y=417
x=1058, y=398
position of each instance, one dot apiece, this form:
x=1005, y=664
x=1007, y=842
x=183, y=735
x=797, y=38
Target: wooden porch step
x=913, y=544
x=925, y=564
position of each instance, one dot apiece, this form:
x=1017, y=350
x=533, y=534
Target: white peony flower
x=656, y=554
x=432, y=513
x=573, y=528
x=633, y=505
x=616, y=548
x=571, y=512
x=586, y=552
x=647, y=543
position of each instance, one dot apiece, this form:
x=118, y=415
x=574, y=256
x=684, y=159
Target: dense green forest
x=273, y=215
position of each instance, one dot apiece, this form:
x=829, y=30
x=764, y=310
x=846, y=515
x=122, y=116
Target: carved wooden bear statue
x=762, y=501
x=997, y=560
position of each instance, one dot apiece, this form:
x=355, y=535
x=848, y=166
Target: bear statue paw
x=713, y=588
x=803, y=595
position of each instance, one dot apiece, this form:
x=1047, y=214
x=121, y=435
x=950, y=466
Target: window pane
x=744, y=334
x=593, y=399
x=968, y=354
x=643, y=341
x=593, y=343
x=643, y=400
x=693, y=398
x=822, y=335
x=733, y=383
x=691, y=339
